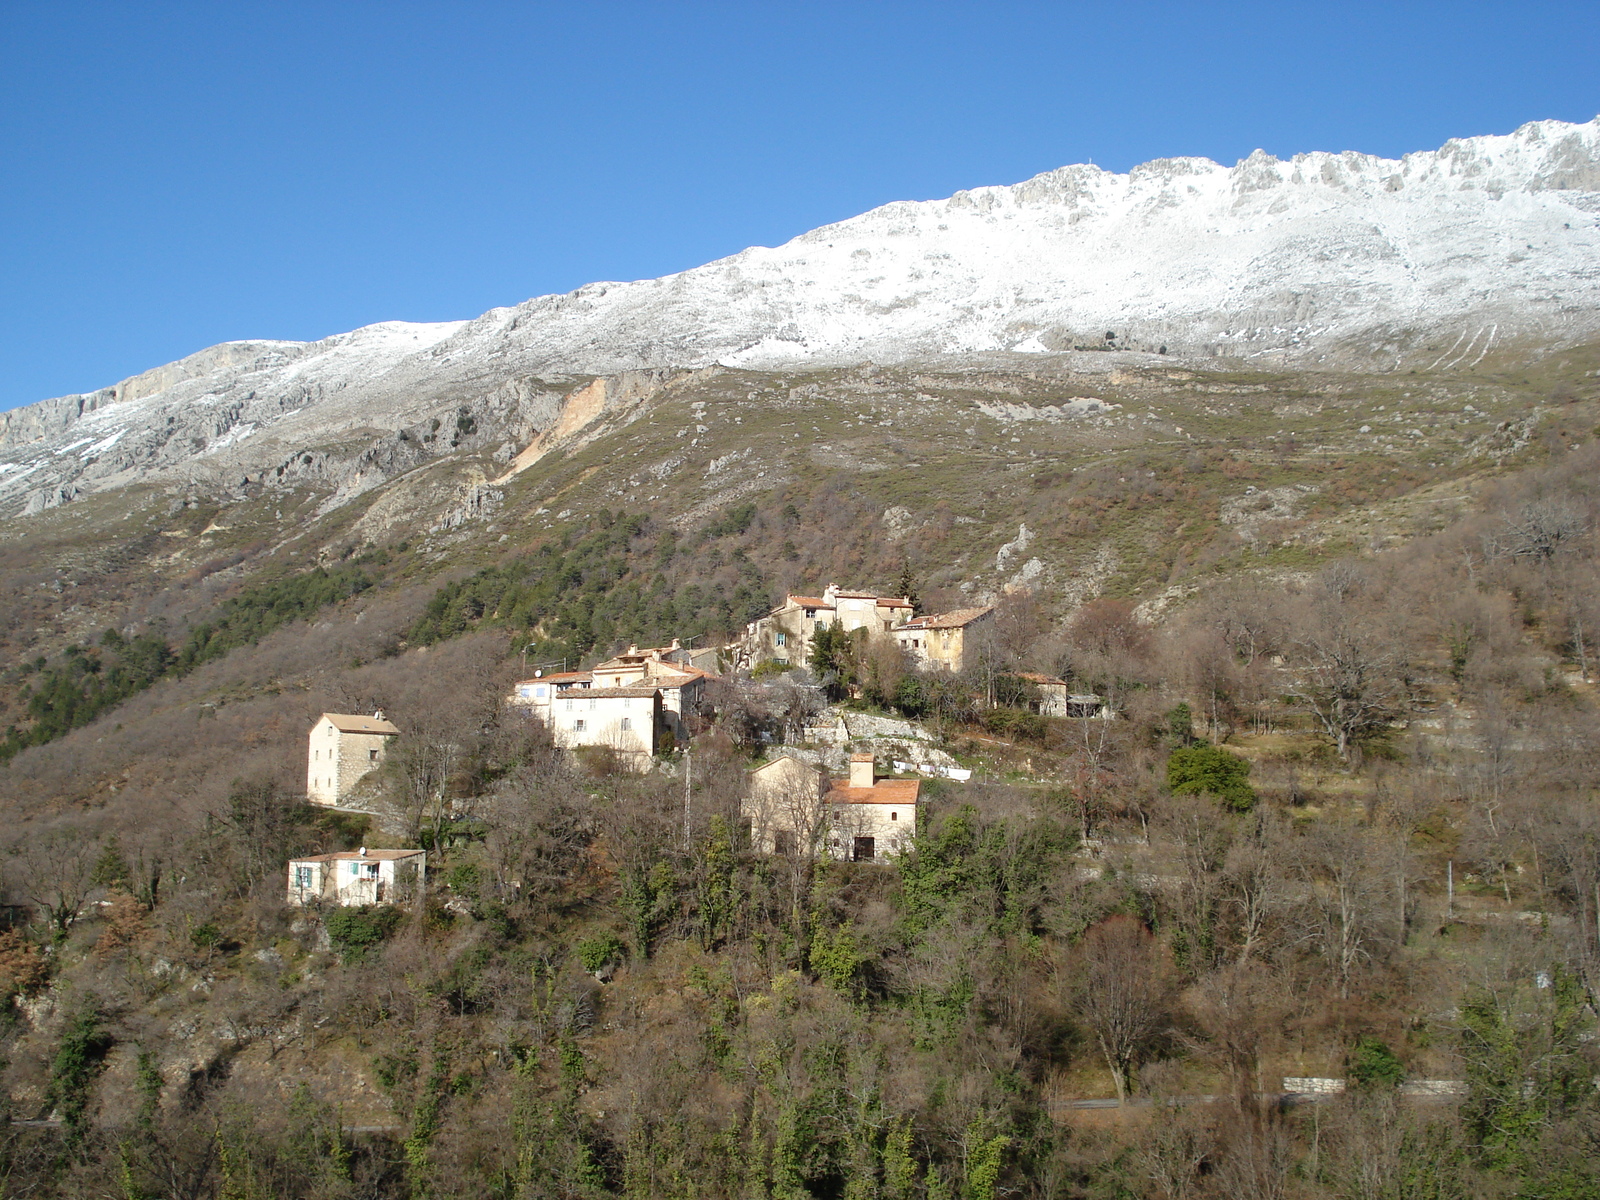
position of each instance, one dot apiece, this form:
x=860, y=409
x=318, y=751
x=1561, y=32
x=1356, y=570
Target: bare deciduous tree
x=1120, y=992
x=53, y=870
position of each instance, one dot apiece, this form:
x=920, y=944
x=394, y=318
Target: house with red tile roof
x=793, y=808
x=943, y=640
x=785, y=634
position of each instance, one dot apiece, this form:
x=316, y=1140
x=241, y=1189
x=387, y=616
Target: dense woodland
x=1343, y=824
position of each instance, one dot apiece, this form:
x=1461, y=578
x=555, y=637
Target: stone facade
x=342, y=750
x=943, y=640
x=785, y=634
x=793, y=809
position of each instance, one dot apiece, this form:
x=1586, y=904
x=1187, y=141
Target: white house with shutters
x=355, y=877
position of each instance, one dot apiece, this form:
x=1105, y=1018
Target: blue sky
x=176, y=175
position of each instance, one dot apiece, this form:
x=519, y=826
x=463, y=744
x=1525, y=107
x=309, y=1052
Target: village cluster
x=643, y=699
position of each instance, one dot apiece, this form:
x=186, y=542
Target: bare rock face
x=1433, y=260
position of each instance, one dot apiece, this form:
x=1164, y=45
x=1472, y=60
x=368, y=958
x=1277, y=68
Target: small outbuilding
x=356, y=877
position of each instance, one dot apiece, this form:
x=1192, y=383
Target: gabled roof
x=951, y=620
x=810, y=602
x=786, y=758
x=559, y=678
x=1035, y=677
x=612, y=692
x=357, y=856
x=348, y=723
x=680, y=675
x=885, y=791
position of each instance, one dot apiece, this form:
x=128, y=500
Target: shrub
x=1373, y=1065
x=600, y=951
x=1015, y=723
x=466, y=879
x=1210, y=771
x=22, y=966
x=356, y=932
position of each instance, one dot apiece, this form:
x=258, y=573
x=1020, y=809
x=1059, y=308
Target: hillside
x=1310, y=912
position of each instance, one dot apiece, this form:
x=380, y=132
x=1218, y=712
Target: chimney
x=831, y=593
x=861, y=770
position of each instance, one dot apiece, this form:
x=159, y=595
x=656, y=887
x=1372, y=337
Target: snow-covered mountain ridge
x=1429, y=260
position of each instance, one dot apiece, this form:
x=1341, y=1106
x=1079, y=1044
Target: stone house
x=680, y=688
x=354, y=877
x=785, y=634
x=627, y=720
x=943, y=640
x=1053, y=693
x=670, y=670
x=793, y=808
x=342, y=750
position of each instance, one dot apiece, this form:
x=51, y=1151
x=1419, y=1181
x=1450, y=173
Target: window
x=593, y=704
x=822, y=624
x=315, y=755
x=577, y=726
x=627, y=724
x=894, y=816
x=355, y=870
x=538, y=692
x=810, y=613
x=302, y=877
x=783, y=639
x=569, y=705
x=372, y=755
x=783, y=842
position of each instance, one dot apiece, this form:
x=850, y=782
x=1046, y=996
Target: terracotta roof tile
x=885, y=791
x=346, y=723
x=951, y=620
x=357, y=856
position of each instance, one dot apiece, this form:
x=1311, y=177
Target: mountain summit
x=1433, y=259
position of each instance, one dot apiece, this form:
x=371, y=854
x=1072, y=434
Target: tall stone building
x=343, y=749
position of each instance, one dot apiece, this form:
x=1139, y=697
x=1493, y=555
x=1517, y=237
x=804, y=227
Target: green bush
x=356, y=932
x=1373, y=1065
x=1210, y=771
x=466, y=879
x=1018, y=724
x=600, y=951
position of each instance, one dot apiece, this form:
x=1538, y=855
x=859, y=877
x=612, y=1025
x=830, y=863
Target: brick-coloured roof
x=679, y=676
x=809, y=602
x=357, y=856
x=767, y=766
x=348, y=723
x=949, y=620
x=885, y=791
x=1035, y=677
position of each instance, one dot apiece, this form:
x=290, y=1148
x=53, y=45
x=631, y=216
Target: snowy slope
x=1428, y=260
x=1321, y=251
